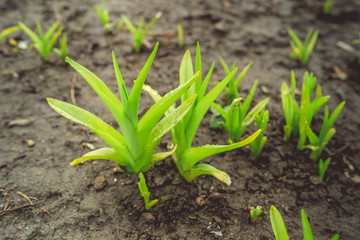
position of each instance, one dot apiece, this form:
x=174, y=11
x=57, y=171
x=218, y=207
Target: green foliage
x=180, y=35
x=44, y=43
x=306, y=226
x=323, y=166
x=303, y=50
x=140, y=33
x=255, y=213
x=145, y=192
x=236, y=118
x=7, y=31
x=133, y=149
x=261, y=123
x=357, y=41
x=327, y=6
x=232, y=87
x=103, y=15
x=62, y=52
x=185, y=156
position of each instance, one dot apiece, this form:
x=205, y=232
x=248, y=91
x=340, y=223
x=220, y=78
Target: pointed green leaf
x=51, y=31
x=185, y=73
x=202, y=169
x=306, y=226
x=31, y=34
x=50, y=44
x=254, y=111
x=205, y=83
x=102, y=154
x=161, y=155
x=242, y=74
x=120, y=81
x=198, y=67
x=129, y=25
x=277, y=224
x=222, y=112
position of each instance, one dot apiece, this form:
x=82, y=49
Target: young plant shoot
x=232, y=91
x=7, y=31
x=180, y=35
x=261, y=123
x=357, y=41
x=255, y=213
x=236, y=118
x=62, y=52
x=302, y=50
x=103, y=15
x=327, y=6
x=140, y=33
x=145, y=192
x=44, y=43
x=132, y=148
x=323, y=166
x=185, y=156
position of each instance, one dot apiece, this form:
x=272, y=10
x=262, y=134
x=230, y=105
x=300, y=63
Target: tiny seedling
x=255, y=213
x=44, y=43
x=297, y=118
x=62, y=52
x=180, y=35
x=185, y=156
x=357, y=41
x=327, y=6
x=145, y=192
x=318, y=143
x=133, y=149
x=303, y=50
x=279, y=229
x=261, y=123
x=103, y=15
x=7, y=31
x=323, y=166
x=236, y=118
x=232, y=88
x=140, y=33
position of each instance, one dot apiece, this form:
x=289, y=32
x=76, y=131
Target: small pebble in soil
x=30, y=143
x=147, y=218
x=99, y=183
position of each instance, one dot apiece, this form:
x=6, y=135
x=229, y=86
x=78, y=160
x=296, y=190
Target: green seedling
x=44, y=43
x=180, y=35
x=145, y=192
x=303, y=50
x=7, y=31
x=327, y=6
x=140, y=33
x=318, y=143
x=357, y=41
x=103, y=15
x=279, y=228
x=62, y=52
x=323, y=166
x=261, y=123
x=255, y=213
x=133, y=149
x=297, y=118
x=237, y=118
x=185, y=156
x=232, y=88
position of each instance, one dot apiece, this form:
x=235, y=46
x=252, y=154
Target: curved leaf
x=102, y=153
x=278, y=225
x=202, y=169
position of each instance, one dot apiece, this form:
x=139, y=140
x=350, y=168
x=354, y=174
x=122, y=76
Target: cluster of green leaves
x=261, y=123
x=327, y=6
x=280, y=231
x=140, y=33
x=103, y=15
x=145, y=193
x=236, y=116
x=62, y=52
x=7, y=31
x=44, y=43
x=185, y=156
x=323, y=166
x=303, y=50
x=231, y=89
x=298, y=118
x=133, y=149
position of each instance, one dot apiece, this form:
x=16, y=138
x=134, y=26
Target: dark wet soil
x=90, y=201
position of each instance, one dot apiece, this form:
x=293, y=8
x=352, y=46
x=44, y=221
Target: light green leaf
x=277, y=224
x=122, y=88
x=202, y=169
x=306, y=226
x=102, y=153
x=254, y=111
x=161, y=155
x=185, y=73
x=31, y=34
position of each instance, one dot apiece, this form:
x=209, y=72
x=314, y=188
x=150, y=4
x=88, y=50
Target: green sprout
x=255, y=213
x=180, y=35
x=44, y=43
x=232, y=88
x=140, y=33
x=318, y=143
x=185, y=156
x=261, y=123
x=327, y=6
x=300, y=50
x=279, y=229
x=236, y=118
x=133, y=149
x=103, y=15
x=62, y=52
x=357, y=41
x=145, y=192
x=323, y=166
x=7, y=31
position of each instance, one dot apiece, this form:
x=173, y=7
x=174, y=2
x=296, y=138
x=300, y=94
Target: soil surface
x=90, y=201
